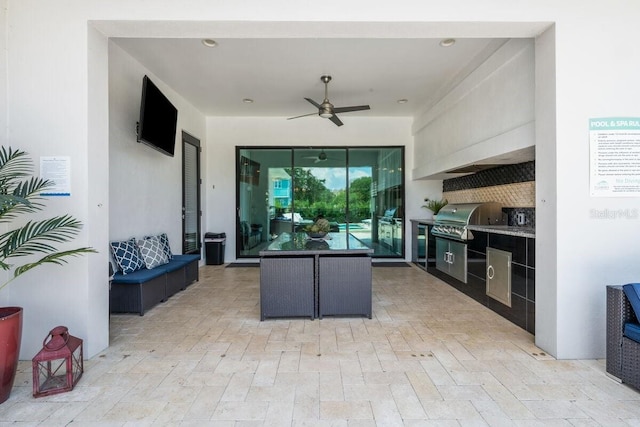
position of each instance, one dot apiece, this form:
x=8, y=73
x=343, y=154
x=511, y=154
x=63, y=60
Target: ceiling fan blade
x=304, y=115
x=314, y=103
x=348, y=109
x=336, y=120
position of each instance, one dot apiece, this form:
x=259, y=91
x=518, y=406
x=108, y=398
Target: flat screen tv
x=158, y=119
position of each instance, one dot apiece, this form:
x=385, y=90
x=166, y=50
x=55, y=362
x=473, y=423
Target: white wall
x=145, y=186
x=3, y=71
x=491, y=112
x=591, y=252
x=50, y=100
x=547, y=316
x=3, y=111
x=225, y=133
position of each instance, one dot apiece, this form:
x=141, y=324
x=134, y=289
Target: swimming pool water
x=343, y=227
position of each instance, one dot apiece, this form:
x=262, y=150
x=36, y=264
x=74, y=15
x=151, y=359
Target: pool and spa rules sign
x=56, y=169
x=615, y=156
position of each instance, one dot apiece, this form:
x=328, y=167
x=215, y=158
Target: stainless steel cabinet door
x=442, y=255
x=458, y=260
x=499, y=275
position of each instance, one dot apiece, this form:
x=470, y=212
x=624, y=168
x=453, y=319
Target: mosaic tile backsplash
x=513, y=186
x=507, y=174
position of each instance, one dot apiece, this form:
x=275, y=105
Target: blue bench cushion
x=139, y=276
x=186, y=259
x=632, y=331
x=143, y=275
x=172, y=265
x=632, y=292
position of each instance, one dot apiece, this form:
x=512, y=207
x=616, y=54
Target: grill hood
x=452, y=220
x=489, y=213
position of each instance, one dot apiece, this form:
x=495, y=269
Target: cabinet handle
x=490, y=272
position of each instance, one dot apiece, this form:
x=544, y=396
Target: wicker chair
x=623, y=354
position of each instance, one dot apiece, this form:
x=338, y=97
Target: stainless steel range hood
x=485, y=156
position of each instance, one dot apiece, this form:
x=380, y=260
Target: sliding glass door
x=358, y=190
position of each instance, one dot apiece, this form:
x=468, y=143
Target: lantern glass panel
x=52, y=376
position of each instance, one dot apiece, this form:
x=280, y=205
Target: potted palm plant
x=434, y=205
x=20, y=195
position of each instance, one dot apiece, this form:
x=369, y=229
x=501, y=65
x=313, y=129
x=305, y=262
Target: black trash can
x=214, y=244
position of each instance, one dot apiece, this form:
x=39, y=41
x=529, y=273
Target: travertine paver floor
x=429, y=357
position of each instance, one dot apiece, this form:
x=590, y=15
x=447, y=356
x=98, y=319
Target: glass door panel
x=319, y=186
x=191, y=233
x=388, y=184
x=360, y=194
x=358, y=190
x=263, y=193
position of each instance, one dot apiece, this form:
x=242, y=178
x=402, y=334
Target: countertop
x=429, y=221
x=505, y=229
x=510, y=230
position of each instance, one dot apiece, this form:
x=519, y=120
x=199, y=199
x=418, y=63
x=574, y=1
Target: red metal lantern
x=59, y=365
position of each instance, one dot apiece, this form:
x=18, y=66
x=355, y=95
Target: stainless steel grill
x=453, y=220
x=451, y=231
x=388, y=228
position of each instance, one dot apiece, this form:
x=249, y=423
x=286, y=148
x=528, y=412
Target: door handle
x=490, y=272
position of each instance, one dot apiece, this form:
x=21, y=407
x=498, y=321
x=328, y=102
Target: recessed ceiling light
x=402, y=101
x=209, y=42
x=248, y=101
x=447, y=42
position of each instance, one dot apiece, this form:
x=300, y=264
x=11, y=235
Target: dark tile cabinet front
x=522, y=249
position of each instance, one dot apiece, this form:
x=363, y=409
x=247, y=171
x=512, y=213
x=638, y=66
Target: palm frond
x=12, y=199
x=14, y=164
x=26, y=198
x=58, y=258
x=36, y=236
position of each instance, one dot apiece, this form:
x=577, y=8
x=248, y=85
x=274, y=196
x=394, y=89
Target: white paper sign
x=615, y=156
x=58, y=170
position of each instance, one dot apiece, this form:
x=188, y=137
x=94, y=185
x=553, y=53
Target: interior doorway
x=191, y=210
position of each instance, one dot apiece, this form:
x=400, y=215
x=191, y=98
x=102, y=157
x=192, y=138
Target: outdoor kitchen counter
x=429, y=221
x=510, y=230
x=300, y=277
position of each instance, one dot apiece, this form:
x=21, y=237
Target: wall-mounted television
x=158, y=119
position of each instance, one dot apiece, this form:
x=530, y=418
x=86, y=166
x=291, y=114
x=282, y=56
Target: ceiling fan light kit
x=326, y=109
x=319, y=158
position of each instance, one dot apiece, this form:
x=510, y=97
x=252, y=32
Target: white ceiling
x=279, y=73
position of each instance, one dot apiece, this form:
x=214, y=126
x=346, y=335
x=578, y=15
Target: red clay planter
x=10, y=337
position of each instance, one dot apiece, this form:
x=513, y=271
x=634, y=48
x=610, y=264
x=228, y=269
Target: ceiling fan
x=326, y=109
x=322, y=157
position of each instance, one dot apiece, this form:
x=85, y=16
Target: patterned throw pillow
x=152, y=252
x=164, y=240
x=127, y=255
